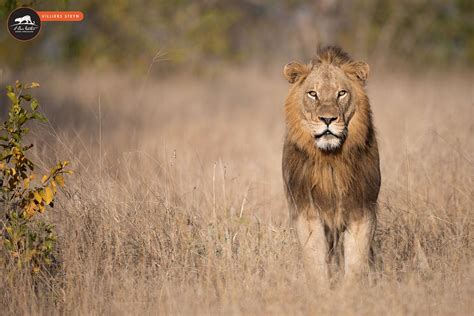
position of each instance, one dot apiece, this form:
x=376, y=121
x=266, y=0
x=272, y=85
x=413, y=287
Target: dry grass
x=177, y=203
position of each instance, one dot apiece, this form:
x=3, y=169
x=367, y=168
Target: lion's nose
x=328, y=119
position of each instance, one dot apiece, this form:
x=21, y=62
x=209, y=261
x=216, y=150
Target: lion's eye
x=313, y=95
x=341, y=93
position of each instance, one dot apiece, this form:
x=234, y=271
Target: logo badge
x=24, y=24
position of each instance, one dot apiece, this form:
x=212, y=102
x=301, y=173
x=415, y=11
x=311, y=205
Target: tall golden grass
x=177, y=204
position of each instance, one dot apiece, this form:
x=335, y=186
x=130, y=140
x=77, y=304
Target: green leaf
x=27, y=97
x=21, y=118
x=39, y=116
x=12, y=97
x=5, y=154
x=34, y=104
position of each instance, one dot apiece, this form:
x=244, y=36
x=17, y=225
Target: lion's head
x=324, y=98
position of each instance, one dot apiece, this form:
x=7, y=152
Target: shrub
x=26, y=241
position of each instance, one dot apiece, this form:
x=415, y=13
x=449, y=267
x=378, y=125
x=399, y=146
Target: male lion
x=331, y=162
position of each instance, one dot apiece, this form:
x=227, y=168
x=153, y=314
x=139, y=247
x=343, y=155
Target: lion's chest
x=330, y=180
x=330, y=192
x=333, y=189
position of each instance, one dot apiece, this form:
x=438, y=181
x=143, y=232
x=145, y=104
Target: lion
x=331, y=163
x=26, y=19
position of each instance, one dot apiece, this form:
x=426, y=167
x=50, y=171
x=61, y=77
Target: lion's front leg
x=357, y=244
x=313, y=242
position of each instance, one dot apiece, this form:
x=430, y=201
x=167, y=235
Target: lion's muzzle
x=329, y=133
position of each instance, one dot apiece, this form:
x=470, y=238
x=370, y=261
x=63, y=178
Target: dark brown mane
x=332, y=55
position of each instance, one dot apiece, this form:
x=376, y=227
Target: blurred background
x=192, y=35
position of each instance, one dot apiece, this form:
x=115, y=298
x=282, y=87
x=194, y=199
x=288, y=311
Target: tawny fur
x=340, y=187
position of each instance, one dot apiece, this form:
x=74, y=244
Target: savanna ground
x=177, y=206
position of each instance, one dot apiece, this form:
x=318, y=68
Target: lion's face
x=326, y=106
x=327, y=103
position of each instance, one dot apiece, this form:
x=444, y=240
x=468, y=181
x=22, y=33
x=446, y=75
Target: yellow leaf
x=44, y=178
x=60, y=180
x=26, y=183
x=41, y=208
x=30, y=209
x=37, y=196
x=2, y=166
x=12, y=97
x=48, y=195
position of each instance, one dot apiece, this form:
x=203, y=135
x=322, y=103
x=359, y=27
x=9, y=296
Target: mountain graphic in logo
x=24, y=24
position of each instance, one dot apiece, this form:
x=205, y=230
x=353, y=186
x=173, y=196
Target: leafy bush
x=25, y=240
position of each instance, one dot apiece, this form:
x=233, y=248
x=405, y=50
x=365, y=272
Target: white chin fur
x=328, y=143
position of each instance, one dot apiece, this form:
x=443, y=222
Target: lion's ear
x=293, y=71
x=361, y=70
